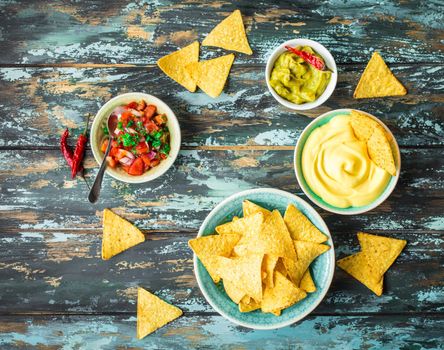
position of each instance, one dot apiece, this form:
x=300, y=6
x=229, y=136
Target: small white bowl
x=97, y=135
x=329, y=61
x=321, y=120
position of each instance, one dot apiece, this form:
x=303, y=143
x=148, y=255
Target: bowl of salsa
x=301, y=74
x=146, y=137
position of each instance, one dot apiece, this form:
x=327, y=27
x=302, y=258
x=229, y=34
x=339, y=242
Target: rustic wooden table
x=62, y=59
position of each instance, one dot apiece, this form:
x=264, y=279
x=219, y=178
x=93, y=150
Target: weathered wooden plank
x=38, y=193
x=208, y=332
x=61, y=271
x=140, y=32
x=37, y=104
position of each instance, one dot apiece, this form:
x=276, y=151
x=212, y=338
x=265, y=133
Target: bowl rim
x=324, y=229
x=329, y=60
x=173, y=125
x=350, y=210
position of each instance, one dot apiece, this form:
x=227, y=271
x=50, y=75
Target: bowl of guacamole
x=294, y=82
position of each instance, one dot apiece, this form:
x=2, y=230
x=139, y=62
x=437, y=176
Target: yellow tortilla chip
x=301, y=228
x=153, y=313
x=268, y=265
x=362, y=125
x=211, y=75
x=358, y=266
x=252, y=224
x=206, y=248
x=276, y=312
x=118, y=235
x=381, y=252
x=234, y=293
x=378, y=80
x=280, y=267
x=250, y=208
x=243, y=273
x=249, y=306
x=229, y=35
x=307, y=282
x=282, y=295
x=174, y=65
x=380, y=151
x=306, y=253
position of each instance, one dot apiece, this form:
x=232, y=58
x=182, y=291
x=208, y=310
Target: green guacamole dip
x=296, y=80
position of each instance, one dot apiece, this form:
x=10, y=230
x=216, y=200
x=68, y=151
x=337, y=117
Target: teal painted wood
x=37, y=104
x=209, y=332
x=139, y=32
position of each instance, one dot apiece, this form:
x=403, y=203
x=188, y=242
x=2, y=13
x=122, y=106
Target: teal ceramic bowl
x=321, y=269
x=324, y=119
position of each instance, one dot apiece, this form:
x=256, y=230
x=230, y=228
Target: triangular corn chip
x=307, y=282
x=378, y=80
x=207, y=247
x=251, y=224
x=268, y=266
x=250, y=208
x=118, y=235
x=301, y=228
x=211, y=75
x=244, y=274
x=380, y=151
x=174, y=65
x=362, y=125
x=233, y=292
x=153, y=313
x=249, y=306
x=229, y=35
x=282, y=295
x=381, y=252
x=306, y=253
x=358, y=266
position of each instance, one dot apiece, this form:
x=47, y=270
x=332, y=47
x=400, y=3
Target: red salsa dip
x=141, y=138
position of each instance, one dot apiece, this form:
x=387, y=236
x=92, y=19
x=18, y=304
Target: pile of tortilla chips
x=263, y=258
x=370, y=131
x=184, y=67
x=378, y=80
x=371, y=263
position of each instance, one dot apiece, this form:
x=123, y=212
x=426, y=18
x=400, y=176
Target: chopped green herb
x=105, y=130
x=157, y=143
x=129, y=140
x=120, y=126
x=165, y=149
x=157, y=135
x=130, y=123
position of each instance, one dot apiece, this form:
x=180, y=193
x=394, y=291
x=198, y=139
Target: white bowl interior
x=329, y=61
x=97, y=136
x=313, y=197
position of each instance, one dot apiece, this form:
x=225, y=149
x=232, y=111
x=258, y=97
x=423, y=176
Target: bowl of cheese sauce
x=334, y=169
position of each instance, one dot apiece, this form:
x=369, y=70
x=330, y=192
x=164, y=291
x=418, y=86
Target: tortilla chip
x=174, y=65
x=362, y=125
x=358, y=266
x=153, y=313
x=280, y=267
x=244, y=273
x=250, y=306
x=380, y=151
x=118, y=235
x=211, y=75
x=276, y=312
x=251, y=224
x=307, y=282
x=282, y=295
x=229, y=35
x=301, y=228
x=380, y=251
x=378, y=80
x=306, y=252
x=206, y=248
x=249, y=208
x=234, y=293
x=268, y=265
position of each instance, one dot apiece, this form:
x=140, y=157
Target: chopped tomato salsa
x=141, y=138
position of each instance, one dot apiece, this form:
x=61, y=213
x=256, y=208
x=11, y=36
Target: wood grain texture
x=208, y=332
x=37, y=104
x=140, y=32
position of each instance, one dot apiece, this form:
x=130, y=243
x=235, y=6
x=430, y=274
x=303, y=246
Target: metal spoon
x=95, y=189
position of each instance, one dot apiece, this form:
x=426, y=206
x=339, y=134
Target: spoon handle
x=95, y=189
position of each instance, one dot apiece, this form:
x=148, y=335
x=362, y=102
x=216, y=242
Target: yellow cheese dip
x=337, y=167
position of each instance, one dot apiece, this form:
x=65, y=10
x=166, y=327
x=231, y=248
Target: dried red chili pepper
x=315, y=61
x=66, y=150
x=79, y=151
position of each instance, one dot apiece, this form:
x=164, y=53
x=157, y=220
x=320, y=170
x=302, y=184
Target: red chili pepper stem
x=313, y=60
x=79, y=151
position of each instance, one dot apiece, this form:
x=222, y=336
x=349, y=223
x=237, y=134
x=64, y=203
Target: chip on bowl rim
x=329, y=61
x=173, y=126
x=323, y=228
x=307, y=190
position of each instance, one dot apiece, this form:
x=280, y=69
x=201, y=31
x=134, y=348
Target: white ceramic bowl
x=321, y=120
x=329, y=61
x=97, y=135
